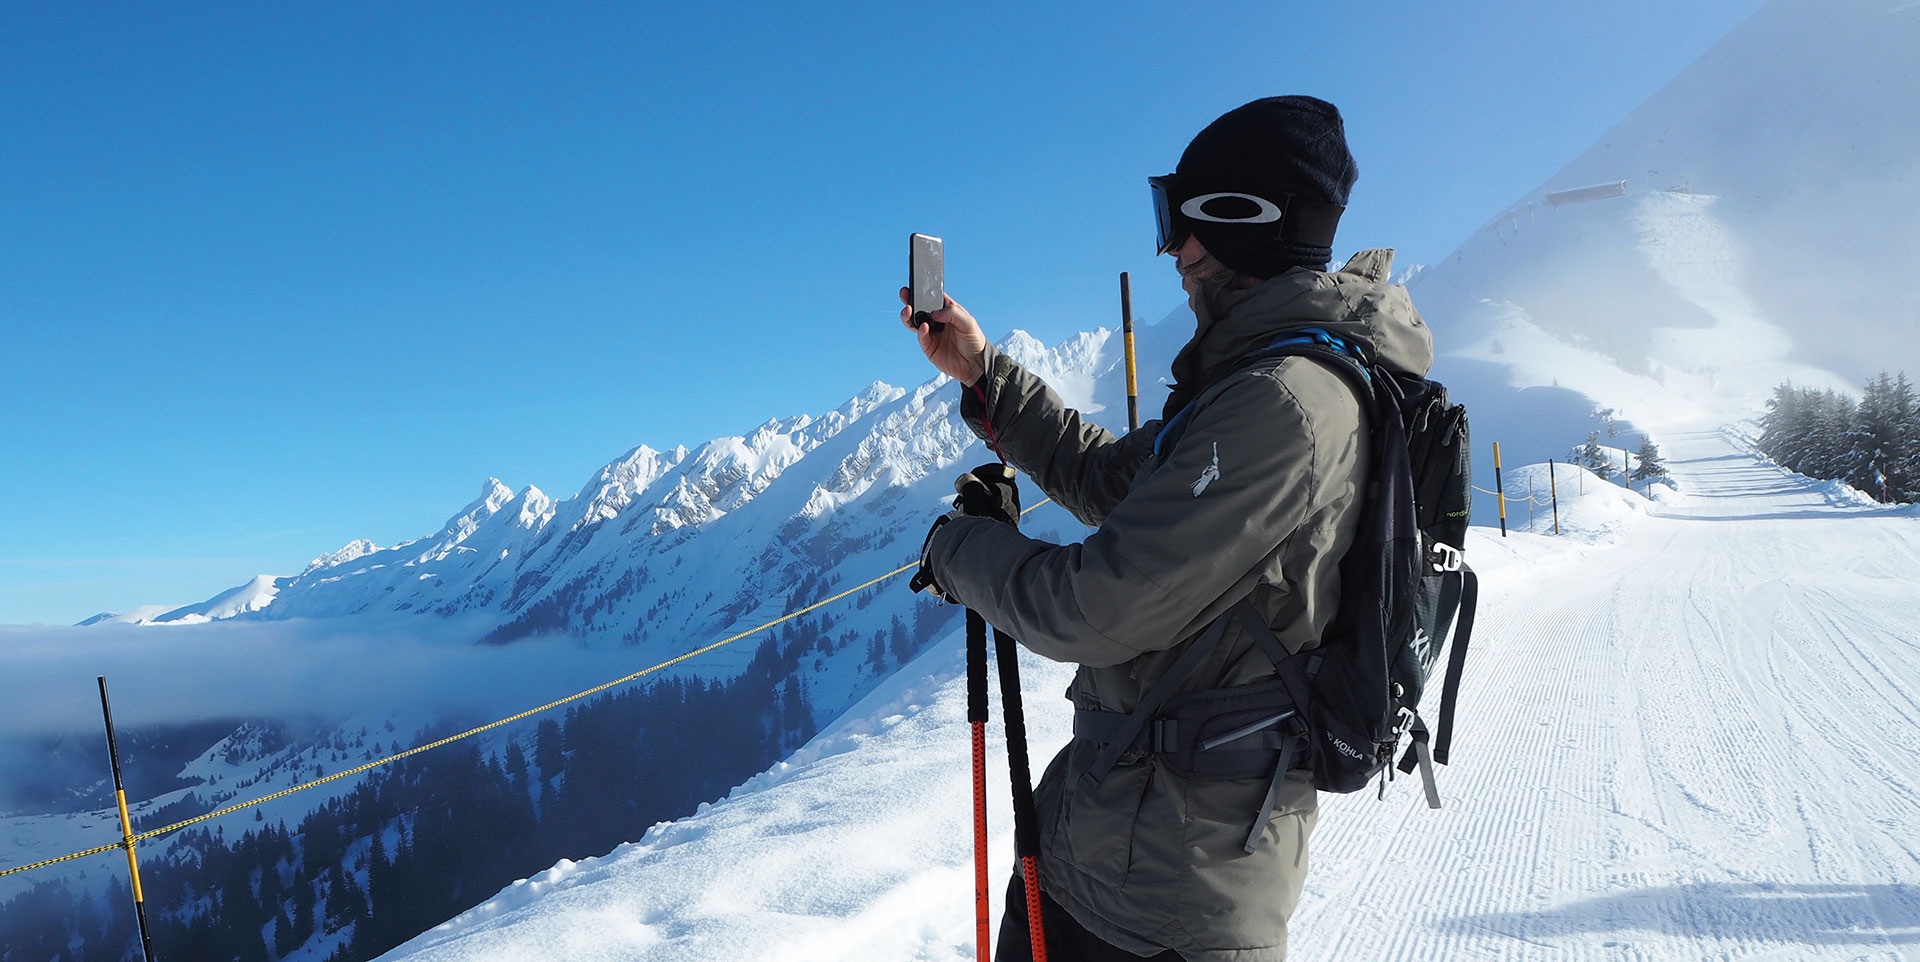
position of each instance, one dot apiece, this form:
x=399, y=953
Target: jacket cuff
x=982, y=396
x=943, y=542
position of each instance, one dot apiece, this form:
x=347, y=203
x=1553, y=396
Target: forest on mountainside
x=416, y=843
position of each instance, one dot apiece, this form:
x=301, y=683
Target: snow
x=252, y=596
x=1766, y=221
x=1686, y=733
x=1591, y=508
x=1700, y=693
x=138, y=616
x=839, y=852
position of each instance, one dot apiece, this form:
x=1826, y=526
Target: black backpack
x=1339, y=710
x=1403, y=581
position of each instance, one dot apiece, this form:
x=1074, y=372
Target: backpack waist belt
x=1243, y=732
x=1223, y=733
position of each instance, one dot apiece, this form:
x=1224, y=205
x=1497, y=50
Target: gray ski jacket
x=1255, y=501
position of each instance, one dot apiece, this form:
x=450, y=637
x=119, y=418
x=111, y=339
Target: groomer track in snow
x=1698, y=743
x=1694, y=740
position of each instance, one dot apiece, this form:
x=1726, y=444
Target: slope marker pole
x=126, y=824
x=1500, y=489
x=1553, y=485
x=1126, y=328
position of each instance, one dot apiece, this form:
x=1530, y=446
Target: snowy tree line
x=1598, y=458
x=1872, y=444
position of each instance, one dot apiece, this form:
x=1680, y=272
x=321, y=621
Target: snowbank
x=857, y=847
x=1591, y=508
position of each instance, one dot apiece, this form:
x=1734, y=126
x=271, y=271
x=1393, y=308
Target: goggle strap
x=1303, y=220
x=1309, y=222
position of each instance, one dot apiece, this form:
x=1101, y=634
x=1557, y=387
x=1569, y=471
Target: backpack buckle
x=1164, y=735
x=1446, y=557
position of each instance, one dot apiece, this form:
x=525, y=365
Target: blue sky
x=274, y=277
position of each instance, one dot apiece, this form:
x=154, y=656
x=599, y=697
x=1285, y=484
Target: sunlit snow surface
x=1687, y=733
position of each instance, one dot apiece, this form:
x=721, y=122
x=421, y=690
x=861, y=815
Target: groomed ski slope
x=1689, y=736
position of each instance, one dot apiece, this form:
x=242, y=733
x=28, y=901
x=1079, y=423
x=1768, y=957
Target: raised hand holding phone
x=948, y=335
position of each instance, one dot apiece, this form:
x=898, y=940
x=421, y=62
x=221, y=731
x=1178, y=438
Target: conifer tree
x=1595, y=457
x=1903, y=472
x=549, y=751
x=303, y=900
x=1871, y=442
x=899, y=640
x=517, y=766
x=1650, y=464
x=283, y=942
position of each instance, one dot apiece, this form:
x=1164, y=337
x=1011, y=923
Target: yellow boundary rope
x=697, y=652
x=376, y=763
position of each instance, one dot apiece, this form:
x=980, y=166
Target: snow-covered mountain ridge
x=659, y=548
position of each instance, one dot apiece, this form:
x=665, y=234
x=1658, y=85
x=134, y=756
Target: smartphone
x=926, y=278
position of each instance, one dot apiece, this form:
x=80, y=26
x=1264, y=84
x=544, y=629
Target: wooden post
x=1500, y=489
x=126, y=825
x=1126, y=333
x=1553, y=485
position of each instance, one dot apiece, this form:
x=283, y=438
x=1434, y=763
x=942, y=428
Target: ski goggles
x=1294, y=220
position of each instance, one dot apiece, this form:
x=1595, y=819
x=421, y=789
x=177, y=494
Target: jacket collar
x=1355, y=302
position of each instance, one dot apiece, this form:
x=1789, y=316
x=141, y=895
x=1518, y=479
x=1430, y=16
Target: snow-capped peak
x=775, y=498
x=351, y=551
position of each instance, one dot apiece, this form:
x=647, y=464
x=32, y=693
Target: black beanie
x=1269, y=148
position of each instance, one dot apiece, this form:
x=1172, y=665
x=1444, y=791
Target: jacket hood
x=1356, y=303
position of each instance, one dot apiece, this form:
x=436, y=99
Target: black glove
x=923, y=579
x=987, y=491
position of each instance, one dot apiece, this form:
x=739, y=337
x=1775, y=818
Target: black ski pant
x=1066, y=940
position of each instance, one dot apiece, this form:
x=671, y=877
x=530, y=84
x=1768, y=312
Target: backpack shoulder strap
x=1346, y=358
x=1456, y=661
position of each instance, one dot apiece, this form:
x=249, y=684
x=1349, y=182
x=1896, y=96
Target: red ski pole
x=977, y=720
x=1026, y=830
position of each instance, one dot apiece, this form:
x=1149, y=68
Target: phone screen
x=926, y=263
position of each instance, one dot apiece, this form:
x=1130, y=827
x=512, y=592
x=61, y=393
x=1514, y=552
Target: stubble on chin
x=1207, y=283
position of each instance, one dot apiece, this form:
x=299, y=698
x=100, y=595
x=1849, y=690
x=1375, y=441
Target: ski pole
x=1026, y=831
x=977, y=720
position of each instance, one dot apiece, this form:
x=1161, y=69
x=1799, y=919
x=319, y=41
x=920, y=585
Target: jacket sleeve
x=1185, y=544
x=1077, y=463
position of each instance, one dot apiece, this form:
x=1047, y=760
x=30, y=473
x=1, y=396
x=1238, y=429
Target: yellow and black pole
x=1553, y=487
x=126, y=824
x=1126, y=335
x=1500, y=489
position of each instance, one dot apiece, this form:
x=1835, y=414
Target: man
x=1222, y=541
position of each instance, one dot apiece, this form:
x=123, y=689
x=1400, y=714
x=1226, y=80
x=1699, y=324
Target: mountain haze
x=1756, y=223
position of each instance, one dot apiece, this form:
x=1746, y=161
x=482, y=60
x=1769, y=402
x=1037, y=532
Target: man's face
x=1192, y=261
x=1197, y=267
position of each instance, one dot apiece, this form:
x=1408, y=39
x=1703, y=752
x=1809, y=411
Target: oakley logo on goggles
x=1300, y=220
